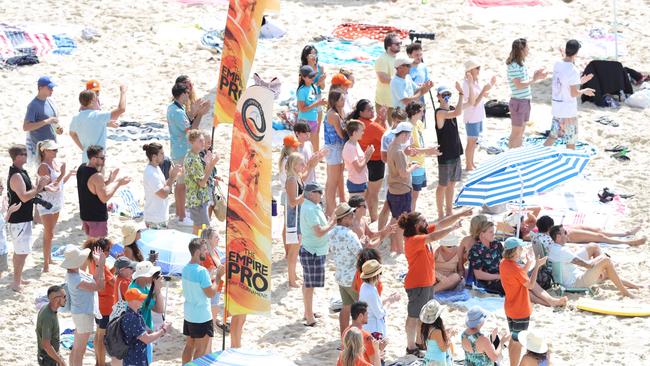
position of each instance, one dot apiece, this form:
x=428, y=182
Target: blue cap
x=443, y=89
x=46, y=81
x=512, y=243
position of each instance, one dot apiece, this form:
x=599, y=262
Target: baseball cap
x=572, y=47
x=124, y=262
x=313, y=187
x=512, y=243
x=134, y=294
x=307, y=70
x=403, y=61
x=93, y=85
x=291, y=141
x=340, y=79
x=46, y=81
x=443, y=89
x=403, y=127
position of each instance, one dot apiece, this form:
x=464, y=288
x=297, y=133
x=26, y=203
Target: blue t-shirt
x=401, y=88
x=331, y=137
x=307, y=94
x=146, y=312
x=197, y=304
x=37, y=111
x=81, y=301
x=419, y=73
x=311, y=215
x=90, y=126
x=133, y=327
x=178, y=124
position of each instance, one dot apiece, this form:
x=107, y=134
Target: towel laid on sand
x=453, y=296
x=493, y=3
x=125, y=204
x=139, y=131
x=17, y=41
x=352, y=31
x=344, y=52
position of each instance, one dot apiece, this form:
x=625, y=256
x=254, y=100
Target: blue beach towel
x=340, y=52
x=453, y=296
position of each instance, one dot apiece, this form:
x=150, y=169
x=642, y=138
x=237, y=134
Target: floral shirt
x=194, y=171
x=541, y=243
x=486, y=259
x=344, y=247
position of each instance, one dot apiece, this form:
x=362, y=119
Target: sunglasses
x=397, y=43
x=22, y=154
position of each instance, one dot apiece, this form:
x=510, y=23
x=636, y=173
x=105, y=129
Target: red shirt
x=513, y=279
x=372, y=136
x=368, y=351
x=121, y=285
x=357, y=282
x=421, y=261
x=106, y=299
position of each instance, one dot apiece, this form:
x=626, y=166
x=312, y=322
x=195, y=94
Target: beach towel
x=124, y=203
x=213, y=39
x=539, y=140
x=600, y=44
x=16, y=41
x=344, y=52
x=241, y=357
x=139, y=131
x=453, y=296
x=493, y=304
x=353, y=31
x=202, y=2
x=493, y=3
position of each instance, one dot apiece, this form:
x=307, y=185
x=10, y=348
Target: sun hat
x=291, y=141
x=342, y=210
x=340, y=79
x=145, y=269
x=475, y=317
x=129, y=232
x=46, y=81
x=450, y=241
x=431, y=311
x=306, y=70
x=403, y=127
x=370, y=269
x=74, y=257
x=442, y=90
x=133, y=294
x=532, y=342
x=124, y=262
x=93, y=85
x=49, y=145
x=403, y=61
x=471, y=64
x=313, y=187
x=512, y=243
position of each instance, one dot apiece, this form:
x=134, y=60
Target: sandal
x=312, y=324
x=617, y=148
x=415, y=352
x=621, y=155
x=224, y=326
x=605, y=196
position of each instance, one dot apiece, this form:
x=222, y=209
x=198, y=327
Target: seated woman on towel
x=484, y=259
x=450, y=271
x=468, y=241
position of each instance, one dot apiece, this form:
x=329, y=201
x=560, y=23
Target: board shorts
x=418, y=297
x=376, y=170
x=449, y=172
x=567, y=128
x=519, y=111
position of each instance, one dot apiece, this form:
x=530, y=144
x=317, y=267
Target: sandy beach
x=147, y=44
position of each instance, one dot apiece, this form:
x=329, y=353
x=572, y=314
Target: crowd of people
x=371, y=150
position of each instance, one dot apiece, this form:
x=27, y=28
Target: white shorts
x=84, y=323
x=21, y=236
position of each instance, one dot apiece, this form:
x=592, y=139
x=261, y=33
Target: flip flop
x=621, y=156
x=310, y=324
x=617, y=148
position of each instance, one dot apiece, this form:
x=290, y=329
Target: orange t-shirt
x=368, y=351
x=372, y=136
x=121, y=285
x=421, y=261
x=513, y=278
x=209, y=264
x=357, y=362
x=357, y=282
x=106, y=299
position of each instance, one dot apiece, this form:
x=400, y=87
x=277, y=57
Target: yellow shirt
x=386, y=64
x=418, y=142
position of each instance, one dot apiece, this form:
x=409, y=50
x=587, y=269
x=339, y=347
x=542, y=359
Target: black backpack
x=494, y=108
x=116, y=345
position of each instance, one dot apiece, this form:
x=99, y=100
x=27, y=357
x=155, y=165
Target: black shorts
x=102, y=323
x=198, y=330
x=376, y=170
x=516, y=326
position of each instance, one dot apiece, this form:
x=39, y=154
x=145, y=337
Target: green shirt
x=194, y=172
x=516, y=71
x=146, y=312
x=311, y=215
x=47, y=327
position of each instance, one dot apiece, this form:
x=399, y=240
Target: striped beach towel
x=15, y=41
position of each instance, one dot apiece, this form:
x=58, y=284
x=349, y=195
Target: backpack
x=116, y=345
x=494, y=108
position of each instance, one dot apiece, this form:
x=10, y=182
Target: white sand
x=138, y=48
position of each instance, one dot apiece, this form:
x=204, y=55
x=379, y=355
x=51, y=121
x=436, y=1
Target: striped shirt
x=516, y=71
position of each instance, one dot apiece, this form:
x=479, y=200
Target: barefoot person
x=449, y=269
x=4, y=216
x=294, y=189
x=385, y=69
x=334, y=140
x=356, y=160
x=156, y=188
x=309, y=103
x=309, y=57
x=47, y=151
x=41, y=119
x=197, y=173
x=474, y=108
x=21, y=193
x=359, y=313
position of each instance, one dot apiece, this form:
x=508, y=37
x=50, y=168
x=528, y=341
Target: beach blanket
x=241, y=357
x=213, y=39
x=139, y=131
x=202, y=2
x=600, y=44
x=453, y=296
x=16, y=41
x=344, y=52
x=493, y=304
x=352, y=31
x=493, y=3
x=539, y=140
x=124, y=203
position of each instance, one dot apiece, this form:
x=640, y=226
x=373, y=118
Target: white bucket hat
x=450, y=241
x=532, y=342
x=145, y=269
x=431, y=311
x=74, y=257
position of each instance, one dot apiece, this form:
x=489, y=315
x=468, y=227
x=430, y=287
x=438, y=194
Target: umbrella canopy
x=172, y=248
x=241, y=357
x=518, y=173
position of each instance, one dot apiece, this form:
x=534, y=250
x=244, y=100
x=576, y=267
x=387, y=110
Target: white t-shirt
x=376, y=313
x=156, y=209
x=565, y=74
x=307, y=152
x=561, y=254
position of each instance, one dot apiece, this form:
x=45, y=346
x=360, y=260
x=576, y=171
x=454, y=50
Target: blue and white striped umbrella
x=518, y=173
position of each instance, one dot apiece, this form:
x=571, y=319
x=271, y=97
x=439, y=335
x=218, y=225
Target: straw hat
x=74, y=257
x=471, y=64
x=450, y=241
x=343, y=210
x=145, y=269
x=533, y=342
x=129, y=232
x=475, y=317
x=431, y=311
x=371, y=269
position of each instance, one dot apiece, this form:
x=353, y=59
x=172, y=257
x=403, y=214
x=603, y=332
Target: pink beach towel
x=353, y=31
x=202, y=2
x=494, y=3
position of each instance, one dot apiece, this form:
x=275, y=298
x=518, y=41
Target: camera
x=417, y=36
x=39, y=201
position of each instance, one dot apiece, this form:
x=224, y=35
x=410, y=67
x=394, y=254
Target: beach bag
x=114, y=341
x=495, y=108
x=220, y=206
x=545, y=277
x=640, y=99
x=119, y=307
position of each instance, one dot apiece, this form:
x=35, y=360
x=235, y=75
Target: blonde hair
x=352, y=346
x=194, y=135
x=293, y=159
x=40, y=148
x=284, y=153
x=509, y=253
x=483, y=227
x=475, y=225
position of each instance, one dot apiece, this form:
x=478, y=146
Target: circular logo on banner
x=253, y=119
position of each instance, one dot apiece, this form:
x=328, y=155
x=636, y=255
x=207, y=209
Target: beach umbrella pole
x=615, y=33
x=521, y=201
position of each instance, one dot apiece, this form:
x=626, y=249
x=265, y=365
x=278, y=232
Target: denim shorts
x=356, y=188
x=474, y=129
x=335, y=156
